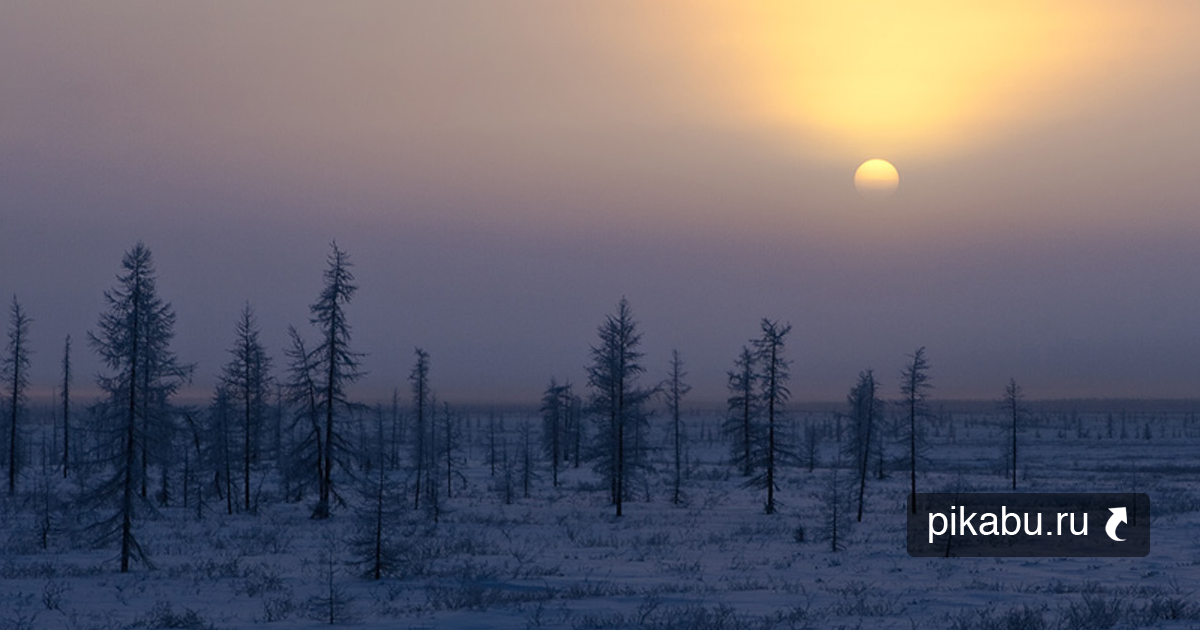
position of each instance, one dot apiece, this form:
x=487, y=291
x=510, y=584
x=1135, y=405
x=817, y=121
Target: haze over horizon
x=502, y=174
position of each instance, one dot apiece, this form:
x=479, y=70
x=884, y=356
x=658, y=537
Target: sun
x=876, y=179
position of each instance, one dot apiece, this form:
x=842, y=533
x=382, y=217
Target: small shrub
x=163, y=616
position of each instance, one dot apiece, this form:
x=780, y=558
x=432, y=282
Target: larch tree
x=220, y=456
x=307, y=463
x=773, y=392
x=133, y=340
x=336, y=366
x=573, y=424
x=617, y=400
x=66, y=406
x=451, y=442
x=16, y=377
x=554, y=412
x=914, y=389
x=1014, y=408
x=863, y=415
x=676, y=389
x=247, y=380
x=741, y=425
x=491, y=437
x=422, y=429
x=16, y=373
x=374, y=542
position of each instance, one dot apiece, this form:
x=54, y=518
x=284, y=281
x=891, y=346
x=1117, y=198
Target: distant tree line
x=297, y=435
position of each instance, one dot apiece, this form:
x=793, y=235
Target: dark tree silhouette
x=247, y=381
x=307, y=467
x=676, y=389
x=374, y=543
x=554, y=412
x=133, y=340
x=422, y=432
x=914, y=387
x=336, y=365
x=220, y=455
x=863, y=414
x=1014, y=407
x=66, y=406
x=451, y=438
x=16, y=375
x=618, y=401
x=741, y=425
x=773, y=377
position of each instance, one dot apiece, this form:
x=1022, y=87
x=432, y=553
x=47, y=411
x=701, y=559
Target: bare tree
x=573, y=407
x=528, y=465
x=1014, y=407
x=812, y=441
x=133, y=340
x=307, y=467
x=676, y=389
x=16, y=376
x=247, y=380
x=741, y=424
x=374, y=543
x=419, y=378
x=492, y=442
x=451, y=431
x=337, y=365
x=220, y=445
x=553, y=411
x=865, y=407
x=66, y=406
x=616, y=364
x=914, y=387
x=773, y=377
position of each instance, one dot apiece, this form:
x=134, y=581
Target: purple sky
x=502, y=173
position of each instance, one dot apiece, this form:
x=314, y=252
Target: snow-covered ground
x=560, y=559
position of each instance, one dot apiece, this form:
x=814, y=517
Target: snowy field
x=560, y=559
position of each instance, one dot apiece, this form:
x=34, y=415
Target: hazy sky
x=501, y=173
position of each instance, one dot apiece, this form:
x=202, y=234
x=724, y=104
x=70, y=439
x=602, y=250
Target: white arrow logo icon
x=1118, y=517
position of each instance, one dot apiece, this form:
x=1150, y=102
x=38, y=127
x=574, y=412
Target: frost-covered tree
x=1013, y=405
x=15, y=369
x=863, y=415
x=675, y=390
x=741, y=425
x=247, y=381
x=773, y=393
x=133, y=340
x=336, y=366
x=914, y=390
x=617, y=400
